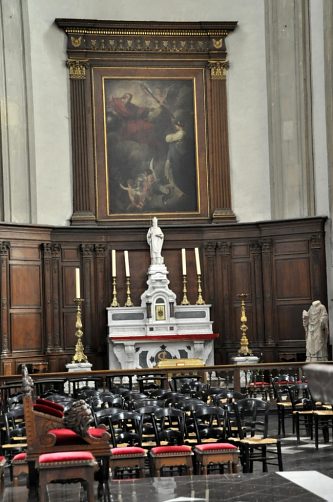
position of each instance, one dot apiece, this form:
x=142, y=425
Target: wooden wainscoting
x=279, y=265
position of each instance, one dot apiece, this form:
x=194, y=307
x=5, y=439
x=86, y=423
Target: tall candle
x=197, y=261
x=114, y=266
x=184, y=261
x=127, y=270
x=77, y=283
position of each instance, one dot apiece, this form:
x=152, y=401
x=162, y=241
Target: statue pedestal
x=245, y=360
x=78, y=367
x=245, y=375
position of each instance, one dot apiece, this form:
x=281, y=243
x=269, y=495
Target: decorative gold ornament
x=218, y=69
x=244, y=343
x=200, y=300
x=217, y=43
x=77, y=69
x=79, y=356
x=76, y=41
x=160, y=313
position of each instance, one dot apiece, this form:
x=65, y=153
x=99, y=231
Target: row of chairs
x=175, y=419
x=308, y=417
x=137, y=420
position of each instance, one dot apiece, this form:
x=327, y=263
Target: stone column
x=289, y=108
x=17, y=184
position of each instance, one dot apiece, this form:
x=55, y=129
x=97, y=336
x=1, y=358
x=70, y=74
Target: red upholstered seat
x=66, y=436
x=129, y=458
x=66, y=456
x=2, y=459
x=173, y=456
x=67, y=465
x=128, y=450
x=159, y=450
x=19, y=457
x=96, y=432
x=215, y=446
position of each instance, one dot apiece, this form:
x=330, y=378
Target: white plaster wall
x=247, y=98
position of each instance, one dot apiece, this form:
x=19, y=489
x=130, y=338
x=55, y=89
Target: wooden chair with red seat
x=213, y=450
x=127, y=454
x=47, y=431
x=171, y=453
x=64, y=466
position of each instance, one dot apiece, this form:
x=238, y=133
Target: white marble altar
x=140, y=336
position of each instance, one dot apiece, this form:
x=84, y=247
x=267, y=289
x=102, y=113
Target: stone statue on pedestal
x=155, y=238
x=315, y=322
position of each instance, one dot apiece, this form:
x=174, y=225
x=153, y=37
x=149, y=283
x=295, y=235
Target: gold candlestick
x=200, y=300
x=129, y=302
x=79, y=356
x=244, y=343
x=185, y=299
x=114, y=302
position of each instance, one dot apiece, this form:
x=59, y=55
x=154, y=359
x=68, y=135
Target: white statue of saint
x=315, y=322
x=155, y=238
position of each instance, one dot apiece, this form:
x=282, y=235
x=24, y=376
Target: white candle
x=184, y=261
x=77, y=283
x=197, y=261
x=127, y=270
x=114, y=266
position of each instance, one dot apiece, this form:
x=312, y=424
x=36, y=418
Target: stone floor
x=307, y=476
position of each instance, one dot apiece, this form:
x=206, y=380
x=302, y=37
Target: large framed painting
x=148, y=120
x=150, y=142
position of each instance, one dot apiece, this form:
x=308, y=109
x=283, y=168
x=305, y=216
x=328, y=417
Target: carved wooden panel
x=26, y=329
x=26, y=286
x=293, y=279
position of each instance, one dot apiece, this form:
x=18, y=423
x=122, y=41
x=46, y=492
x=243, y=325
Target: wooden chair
x=127, y=454
x=213, y=451
x=62, y=466
x=253, y=438
x=171, y=452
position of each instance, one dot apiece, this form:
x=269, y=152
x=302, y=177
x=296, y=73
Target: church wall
x=280, y=265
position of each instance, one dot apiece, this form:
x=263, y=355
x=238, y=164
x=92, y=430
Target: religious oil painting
x=150, y=145
x=150, y=157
